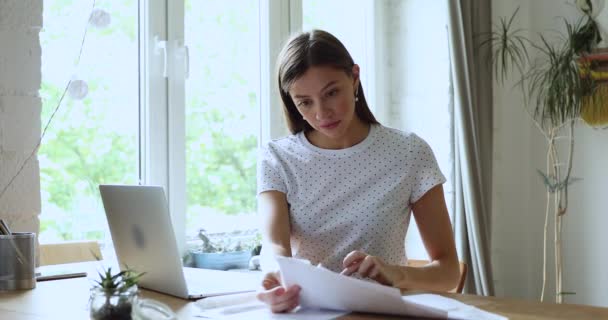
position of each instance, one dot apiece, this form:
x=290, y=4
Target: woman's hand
x=371, y=267
x=276, y=296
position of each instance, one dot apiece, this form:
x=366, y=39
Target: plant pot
x=222, y=260
x=594, y=111
x=111, y=305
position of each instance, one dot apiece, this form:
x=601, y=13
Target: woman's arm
x=275, y=223
x=435, y=228
x=276, y=233
x=441, y=274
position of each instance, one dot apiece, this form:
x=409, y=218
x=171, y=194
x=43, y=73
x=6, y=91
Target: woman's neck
x=356, y=133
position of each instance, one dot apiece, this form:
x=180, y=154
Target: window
x=174, y=94
x=94, y=135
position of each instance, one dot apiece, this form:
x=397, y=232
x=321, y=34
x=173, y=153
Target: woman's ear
x=356, y=77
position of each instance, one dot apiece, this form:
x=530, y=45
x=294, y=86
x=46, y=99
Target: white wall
x=519, y=197
x=20, y=23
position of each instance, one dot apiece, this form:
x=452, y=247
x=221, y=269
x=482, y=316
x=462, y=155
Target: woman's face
x=325, y=97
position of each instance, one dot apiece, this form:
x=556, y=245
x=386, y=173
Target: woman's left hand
x=371, y=267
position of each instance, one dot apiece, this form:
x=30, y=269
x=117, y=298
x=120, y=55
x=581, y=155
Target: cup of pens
x=17, y=259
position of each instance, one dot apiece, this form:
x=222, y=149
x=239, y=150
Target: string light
x=78, y=89
x=100, y=18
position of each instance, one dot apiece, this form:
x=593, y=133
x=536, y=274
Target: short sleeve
x=269, y=171
x=425, y=170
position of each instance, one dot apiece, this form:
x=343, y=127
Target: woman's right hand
x=278, y=298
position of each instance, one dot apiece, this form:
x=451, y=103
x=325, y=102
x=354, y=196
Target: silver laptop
x=144, y=240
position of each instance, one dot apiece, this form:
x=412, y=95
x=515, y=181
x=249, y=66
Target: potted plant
x=225, y=250
x=559, y=87
x=113, y=295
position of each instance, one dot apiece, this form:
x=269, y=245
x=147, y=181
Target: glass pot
x=106, y=305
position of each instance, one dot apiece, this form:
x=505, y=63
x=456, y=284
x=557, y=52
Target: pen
x=4, y=228
x=7, y=231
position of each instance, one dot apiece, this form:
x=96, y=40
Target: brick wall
x=20, y=107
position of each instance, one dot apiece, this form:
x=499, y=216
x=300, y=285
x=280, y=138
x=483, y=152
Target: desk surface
x=68, y=299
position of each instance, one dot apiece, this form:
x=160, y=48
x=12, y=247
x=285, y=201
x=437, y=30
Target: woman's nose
x=324, y=111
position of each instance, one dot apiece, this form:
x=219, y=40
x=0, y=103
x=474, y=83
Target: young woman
x=340, y=189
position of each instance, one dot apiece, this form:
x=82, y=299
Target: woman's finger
x=269, y=283
x=268, y=296
x=366, y=266
x=353, y=257
x=286, y=306
x=375, y=271
x=278, y=295
x=271, y=280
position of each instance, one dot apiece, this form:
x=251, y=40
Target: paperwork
x=260, y=311
x=246, y=306
x=325, y=289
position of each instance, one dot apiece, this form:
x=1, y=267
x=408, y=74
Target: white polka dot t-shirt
x=356, y=198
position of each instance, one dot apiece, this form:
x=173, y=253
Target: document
x=246, y=306
x=325, y=289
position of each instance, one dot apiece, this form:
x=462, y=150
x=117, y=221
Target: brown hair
x=310, y=49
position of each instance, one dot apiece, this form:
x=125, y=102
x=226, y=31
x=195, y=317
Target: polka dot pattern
x=356, y=198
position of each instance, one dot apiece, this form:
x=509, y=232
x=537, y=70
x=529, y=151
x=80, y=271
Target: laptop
x=144, y=240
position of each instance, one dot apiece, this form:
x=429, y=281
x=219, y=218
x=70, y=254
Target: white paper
x=258, y=310
x=325, y=289
x=455, y=309
x=246, y=306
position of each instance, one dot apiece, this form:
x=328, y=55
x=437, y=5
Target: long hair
x=312, y=49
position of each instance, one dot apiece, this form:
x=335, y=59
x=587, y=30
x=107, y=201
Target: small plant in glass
x=113, y=295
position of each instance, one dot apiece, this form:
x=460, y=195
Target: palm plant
x=556, y=87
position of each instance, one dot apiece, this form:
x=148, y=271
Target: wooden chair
x=463, y=272
x=69, y=252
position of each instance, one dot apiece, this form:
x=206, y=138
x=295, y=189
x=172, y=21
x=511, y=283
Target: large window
x=164, y=93
x=94, y=135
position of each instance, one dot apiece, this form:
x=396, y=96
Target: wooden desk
x=68, y=299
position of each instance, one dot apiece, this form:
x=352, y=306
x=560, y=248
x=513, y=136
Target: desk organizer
x=17, y=261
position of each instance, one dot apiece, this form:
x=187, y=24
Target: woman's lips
x=330, y=125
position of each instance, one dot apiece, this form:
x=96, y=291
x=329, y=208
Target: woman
x=340, y=189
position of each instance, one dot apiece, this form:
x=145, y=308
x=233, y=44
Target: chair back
x=69, y=252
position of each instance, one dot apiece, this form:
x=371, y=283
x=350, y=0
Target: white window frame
x=163, y=70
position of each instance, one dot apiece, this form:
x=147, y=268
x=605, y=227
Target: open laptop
x=144, y=240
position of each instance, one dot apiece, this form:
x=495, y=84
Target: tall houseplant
x=557, y=88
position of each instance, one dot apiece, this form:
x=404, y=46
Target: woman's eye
x=332, y=92
x=303, y=103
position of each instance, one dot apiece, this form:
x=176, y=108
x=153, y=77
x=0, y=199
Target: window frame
x=162, y=110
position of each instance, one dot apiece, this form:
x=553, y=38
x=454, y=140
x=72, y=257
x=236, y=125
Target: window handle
x=161, y=45
x=184, y=52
